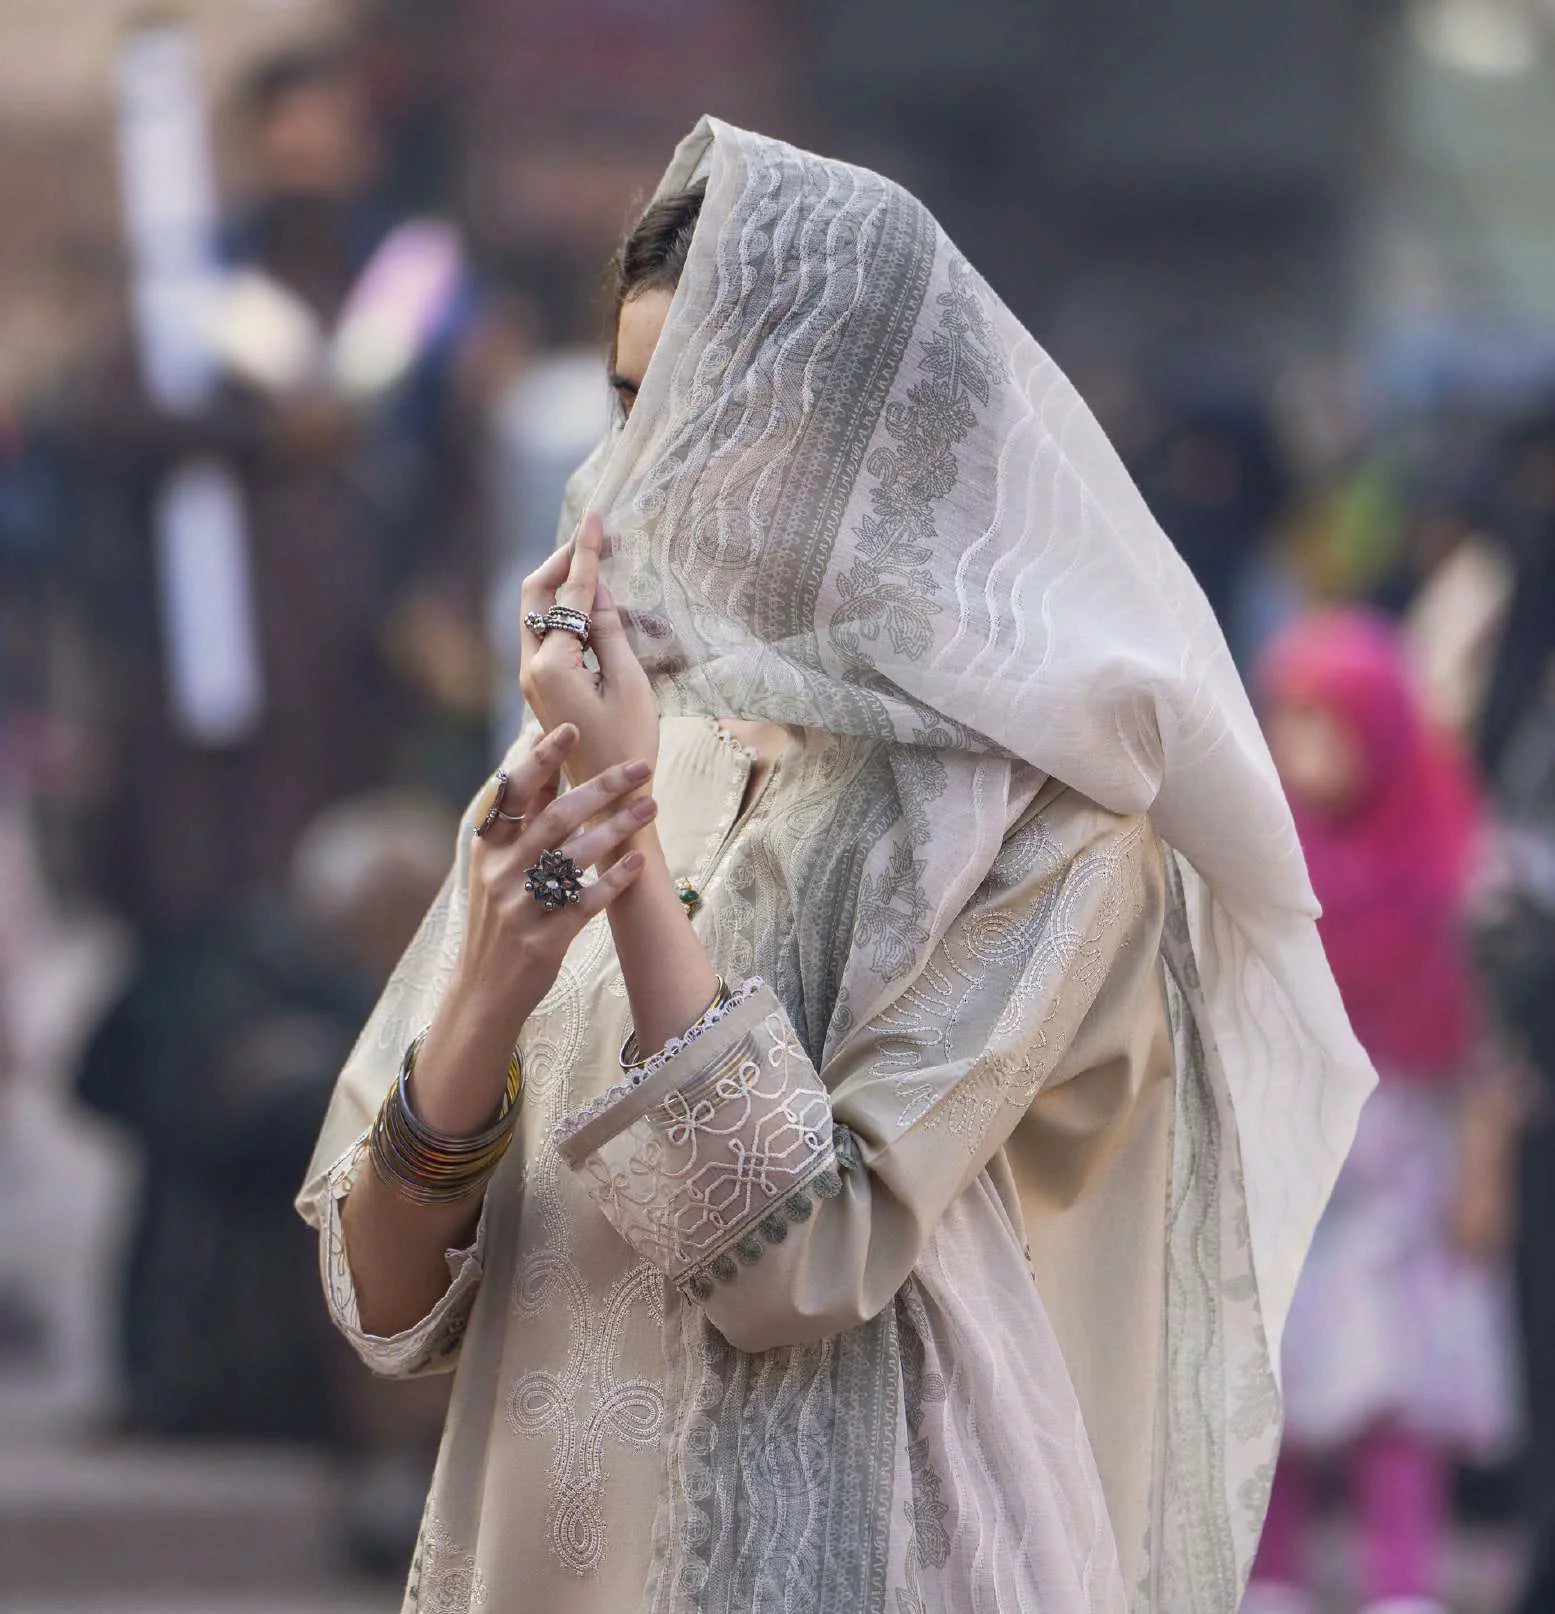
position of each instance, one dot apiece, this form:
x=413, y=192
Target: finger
x=535, y=777
x=587, y=846
x=587, y=801
x=582, y=581
x=607, y=634
x=505, y=805
x=539, y=588
x=600, y=893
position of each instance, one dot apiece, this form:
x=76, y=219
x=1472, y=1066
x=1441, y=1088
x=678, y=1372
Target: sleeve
x=792, y=1202
x=432, y=1345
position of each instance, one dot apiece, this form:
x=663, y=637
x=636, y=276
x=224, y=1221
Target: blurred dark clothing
x=1523, y=477
x=1536, y=1296
x=27, y=560
x=1517, y=742
x=218, y=1057
x=187, y=826
x=1215, y=477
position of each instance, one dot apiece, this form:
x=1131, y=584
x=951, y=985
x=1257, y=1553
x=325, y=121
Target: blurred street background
x=302, y=316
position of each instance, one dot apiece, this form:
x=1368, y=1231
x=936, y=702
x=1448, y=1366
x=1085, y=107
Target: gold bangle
x=427, y=1166
x=631, y=1059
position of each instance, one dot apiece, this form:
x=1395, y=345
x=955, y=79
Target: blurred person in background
x=815, y=1252
x=1214, y=474
x=1517, y=743
x=348, y=326
x=337, y=334
x=232, y=1034
x=1398, y=1353
x=1524, y=500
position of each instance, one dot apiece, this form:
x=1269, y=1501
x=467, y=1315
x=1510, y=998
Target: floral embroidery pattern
x=889, y=589
x=891, y=913
x=444, y=1577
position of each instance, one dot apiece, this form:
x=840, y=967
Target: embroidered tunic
x=960, y=1319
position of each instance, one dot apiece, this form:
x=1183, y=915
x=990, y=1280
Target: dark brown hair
x=653, y=256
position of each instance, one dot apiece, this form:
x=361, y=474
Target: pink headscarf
x=1392, y=870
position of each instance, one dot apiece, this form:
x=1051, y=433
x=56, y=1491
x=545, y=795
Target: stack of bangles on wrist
x=428, y=1167
x=631, y=1057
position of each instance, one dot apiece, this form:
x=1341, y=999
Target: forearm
x=669, y=978
x=396, y=1249
x=397, y=1252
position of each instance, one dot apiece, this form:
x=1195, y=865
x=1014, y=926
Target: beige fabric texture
x=1034, y=961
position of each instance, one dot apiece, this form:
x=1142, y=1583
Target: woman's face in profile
x=637, y=335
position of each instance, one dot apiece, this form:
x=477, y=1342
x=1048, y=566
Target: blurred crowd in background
x=301, y=330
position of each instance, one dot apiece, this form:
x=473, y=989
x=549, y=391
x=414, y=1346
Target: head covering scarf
x=854, y=494
x=1391, y=870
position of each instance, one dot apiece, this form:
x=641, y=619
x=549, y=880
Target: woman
x=939, y=1265
x=1398, y=1354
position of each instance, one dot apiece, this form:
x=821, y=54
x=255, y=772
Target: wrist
x=646, y=841
x=484, y=1011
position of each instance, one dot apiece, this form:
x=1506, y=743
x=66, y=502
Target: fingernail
x=632, y=862
x=564, y=735
x=644, y=809
x=637, y=770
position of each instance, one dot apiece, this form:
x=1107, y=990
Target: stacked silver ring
x=562, y=617
x=495, y=811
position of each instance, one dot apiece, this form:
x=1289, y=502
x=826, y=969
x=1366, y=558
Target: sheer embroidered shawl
x=855, y=494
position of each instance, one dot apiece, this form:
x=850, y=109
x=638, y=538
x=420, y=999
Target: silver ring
x=494, y=812
x=554, y=881
x=570, y=621
x=562, y=618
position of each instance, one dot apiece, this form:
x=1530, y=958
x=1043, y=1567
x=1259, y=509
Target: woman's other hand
x=612, y=707
x=512, y=948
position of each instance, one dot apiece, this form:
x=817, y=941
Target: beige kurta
x=950, y=1323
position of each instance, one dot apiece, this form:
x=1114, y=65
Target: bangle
x=631, y=1057
x=428, y=1167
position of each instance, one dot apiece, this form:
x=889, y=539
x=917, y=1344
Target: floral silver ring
x=554, y=881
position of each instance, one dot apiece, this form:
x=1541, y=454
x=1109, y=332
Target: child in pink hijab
x=1397, y=1353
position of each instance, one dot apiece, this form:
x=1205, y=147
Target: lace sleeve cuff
x=432, y=1345
x=716, y=1148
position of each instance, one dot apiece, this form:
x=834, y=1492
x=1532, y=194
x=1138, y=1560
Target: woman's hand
x=512, y=949
x=613, y=708
x=510, y=955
